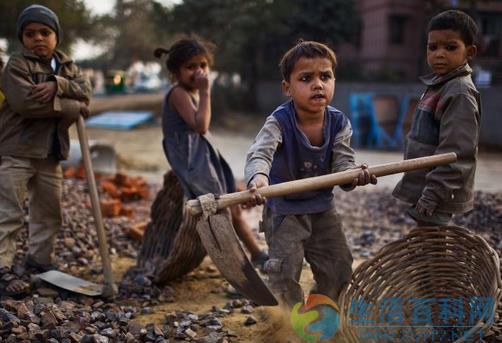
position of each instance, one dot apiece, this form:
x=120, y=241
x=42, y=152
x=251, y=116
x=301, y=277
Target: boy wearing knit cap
x=45, y=93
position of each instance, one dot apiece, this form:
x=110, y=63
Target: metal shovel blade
x=222, y=245
x=71, y=283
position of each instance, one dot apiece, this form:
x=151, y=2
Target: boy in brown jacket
x=44, y=94
x=447, y=119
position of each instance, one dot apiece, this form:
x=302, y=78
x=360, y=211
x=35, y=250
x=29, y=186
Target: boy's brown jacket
x=447, y=119
x=27, y=127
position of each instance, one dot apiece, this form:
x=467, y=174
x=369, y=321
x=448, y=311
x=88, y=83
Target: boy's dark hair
x=308, y=49
x=182, y=50
x=457, y=21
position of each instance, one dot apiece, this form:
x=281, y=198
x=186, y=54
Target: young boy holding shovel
x=45, y=93
x=304, y=137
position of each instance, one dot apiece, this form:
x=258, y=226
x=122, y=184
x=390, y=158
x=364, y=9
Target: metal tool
x=71, y=283
x=218, y=235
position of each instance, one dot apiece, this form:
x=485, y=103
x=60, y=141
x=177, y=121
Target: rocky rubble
x=374, y=218
x=47, y=314
x=78, y=242
x=64, y=319
x=208, y=327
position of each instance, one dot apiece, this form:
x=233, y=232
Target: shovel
x=222, y=245
x=72, y=283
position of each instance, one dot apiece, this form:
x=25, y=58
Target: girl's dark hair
x=457, y=21
x=184, y=49
x=308, y=49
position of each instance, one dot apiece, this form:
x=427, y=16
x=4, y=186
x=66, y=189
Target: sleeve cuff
x=429, y=201
x=61, y=84
x=252, y=177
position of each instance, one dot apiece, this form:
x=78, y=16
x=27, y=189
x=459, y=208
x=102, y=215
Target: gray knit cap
x=37, y=14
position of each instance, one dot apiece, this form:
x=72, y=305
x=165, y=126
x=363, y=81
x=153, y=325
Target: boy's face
x=311, y=85
x=40, y=39
x=191, y=69
x=446, y=51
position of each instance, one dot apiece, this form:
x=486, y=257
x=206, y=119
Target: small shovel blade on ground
x=71, y=283
x=222, y=245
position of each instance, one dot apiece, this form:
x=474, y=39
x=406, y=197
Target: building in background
x=391, y=41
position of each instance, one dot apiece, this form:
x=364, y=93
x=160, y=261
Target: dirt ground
x=199, y=292
x=140, y=153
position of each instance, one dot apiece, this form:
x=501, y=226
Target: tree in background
x=74, y=17
x=130, y=32
x=251, y=36
x=133, y=31
x=332, y=22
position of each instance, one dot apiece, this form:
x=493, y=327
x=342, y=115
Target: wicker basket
x=435, y=284
x=171, y=245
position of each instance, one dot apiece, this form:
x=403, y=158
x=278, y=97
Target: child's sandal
x=15, y=288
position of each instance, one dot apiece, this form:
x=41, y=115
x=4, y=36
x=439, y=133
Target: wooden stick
x=108, y=289
x=329, y=180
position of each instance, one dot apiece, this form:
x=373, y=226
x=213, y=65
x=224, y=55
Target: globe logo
x=317, y=319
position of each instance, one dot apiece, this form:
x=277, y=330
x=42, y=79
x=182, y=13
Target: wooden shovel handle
x=329, y=180
x=108, y=288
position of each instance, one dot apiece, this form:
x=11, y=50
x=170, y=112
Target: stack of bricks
x=116, y=191
x=76, y=173
x=122, y=189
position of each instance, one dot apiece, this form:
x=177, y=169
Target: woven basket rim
x=367, y=278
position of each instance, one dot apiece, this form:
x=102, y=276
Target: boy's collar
x=434, y=80
x=60, y=57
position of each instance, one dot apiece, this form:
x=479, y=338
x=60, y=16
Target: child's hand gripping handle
x=329, y=180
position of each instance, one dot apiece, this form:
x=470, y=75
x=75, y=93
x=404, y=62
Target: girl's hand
x=258, y=181
x=44, y=92
x=364, y=177
x=201, y=81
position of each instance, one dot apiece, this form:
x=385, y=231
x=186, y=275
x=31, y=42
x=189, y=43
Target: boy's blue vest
x=296, y=159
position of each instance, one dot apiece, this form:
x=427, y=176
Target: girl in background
x=186, y=116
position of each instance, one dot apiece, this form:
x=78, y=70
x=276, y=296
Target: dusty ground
x=140, y=152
